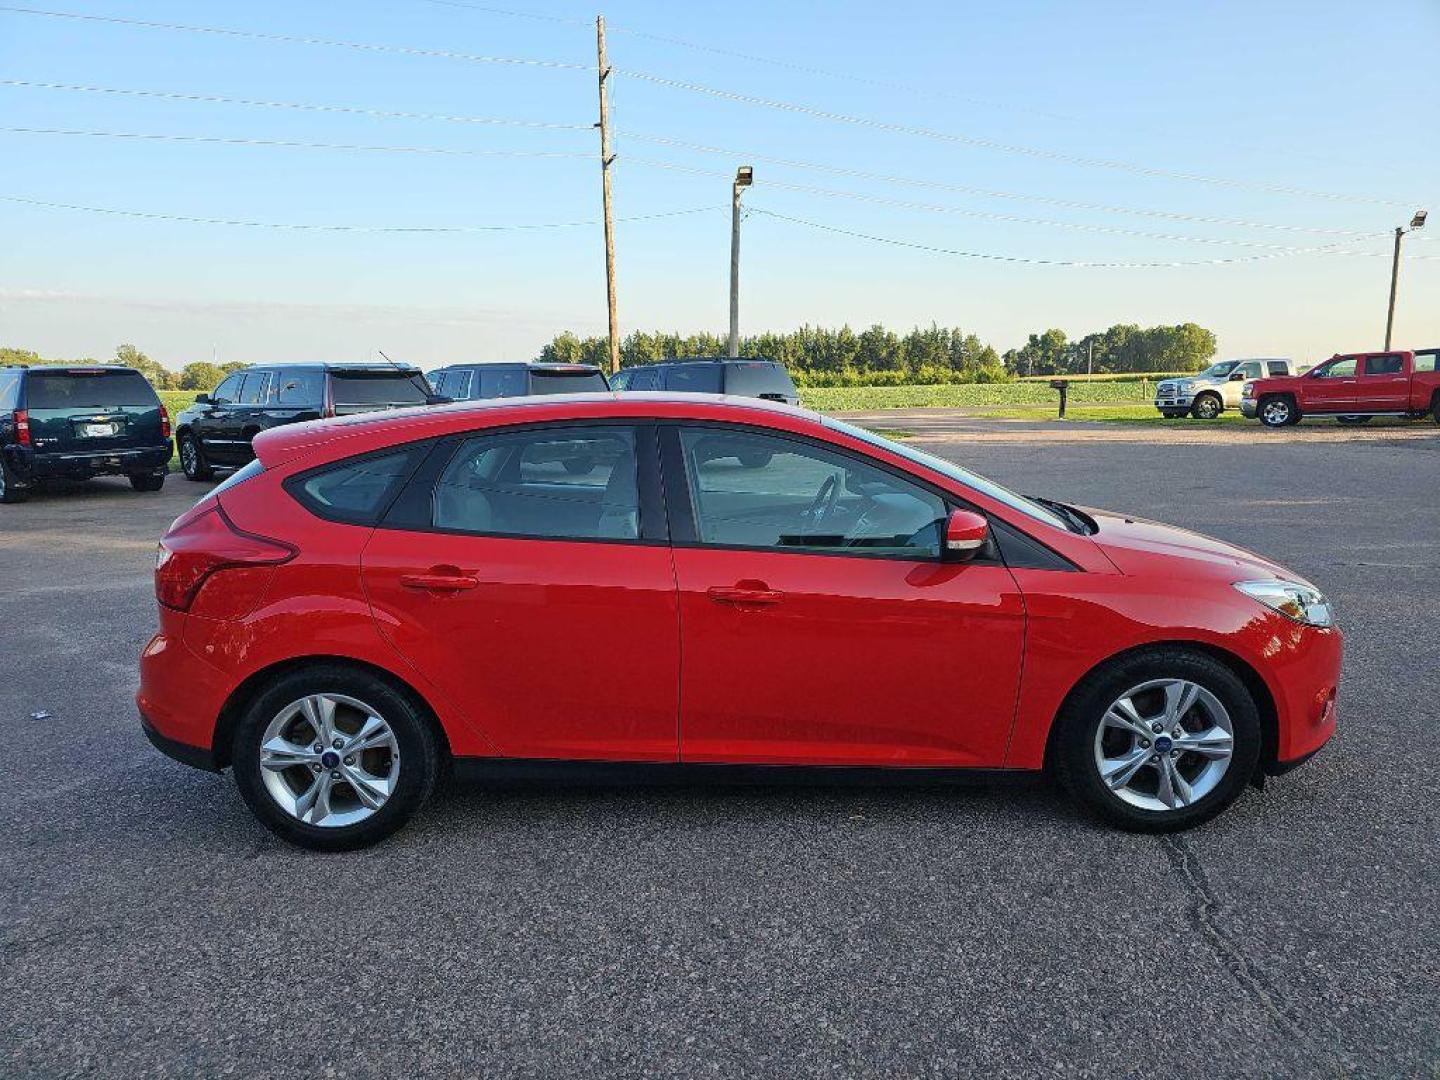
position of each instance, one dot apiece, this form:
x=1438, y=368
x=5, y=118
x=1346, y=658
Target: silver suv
x=1206, y=395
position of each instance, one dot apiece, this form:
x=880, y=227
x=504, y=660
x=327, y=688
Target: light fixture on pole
x=1416, y=222
x=744, y=177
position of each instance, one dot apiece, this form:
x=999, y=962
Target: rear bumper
x=197, y=757
x=31, y=464
x=180, y=696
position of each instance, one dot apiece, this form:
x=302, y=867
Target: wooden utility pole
x=1394, y=287
x=607, y=160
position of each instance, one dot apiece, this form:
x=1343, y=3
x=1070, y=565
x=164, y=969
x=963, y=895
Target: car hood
x=1137, y=546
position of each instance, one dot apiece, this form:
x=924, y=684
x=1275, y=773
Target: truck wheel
x=1353, y=419
x=1173, y=414
x=1277, y=412
x=192, y=459
x=1207, y=407
x=9, y=491
x=1435, y=409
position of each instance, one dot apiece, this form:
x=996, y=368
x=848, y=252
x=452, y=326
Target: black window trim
x=412, y=508
x=683, y=532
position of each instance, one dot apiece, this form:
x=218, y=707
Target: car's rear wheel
x=1353, y=419
x=1159, y=741
x=192, y=458
x=10, y=492
x=1277, y=412
x=1207, y=407
x=147, y=481
x=333, y=758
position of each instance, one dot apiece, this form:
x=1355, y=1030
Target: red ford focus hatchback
x=689, y=583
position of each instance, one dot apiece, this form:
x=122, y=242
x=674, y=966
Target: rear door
x=1332, y=387
x=296, y=394
x=536, y=597
x=92, y=410
x=1383, y=384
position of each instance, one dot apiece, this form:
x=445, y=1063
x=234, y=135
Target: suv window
x=1341, y=369
x=502, y=382
x=255, y=388
x=756, y=379
x=693, y=378
x=1389, y=364
x=9, y=390
x=356, y=491
x=380, y=388
x=1251, y=369
x=558, y=483
x=645, y=378
x=301, y=389
x=226, y=392
x=1278, y=367
x=755, y=490
x=80, y=389
x=566, y=382
x=1425, y=361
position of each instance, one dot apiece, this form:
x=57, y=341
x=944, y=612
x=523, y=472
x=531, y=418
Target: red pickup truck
x=1352, y=387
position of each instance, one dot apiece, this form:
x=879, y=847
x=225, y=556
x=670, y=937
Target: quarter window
x=356, y=491
x=578, y=483
x=760, y=491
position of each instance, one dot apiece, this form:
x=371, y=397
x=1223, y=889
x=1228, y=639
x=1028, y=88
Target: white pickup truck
x=1209, y=393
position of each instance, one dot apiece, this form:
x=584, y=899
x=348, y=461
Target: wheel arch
x=251, y=687
x=1254, y=683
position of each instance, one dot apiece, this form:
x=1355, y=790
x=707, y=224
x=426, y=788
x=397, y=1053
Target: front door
x=820, y=625
x=1331, y=388
x=1384, y=384
x=520, y=578
x=215, y=428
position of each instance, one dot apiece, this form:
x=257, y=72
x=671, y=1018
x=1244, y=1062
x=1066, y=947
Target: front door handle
x=440, y=579
x=745, y=594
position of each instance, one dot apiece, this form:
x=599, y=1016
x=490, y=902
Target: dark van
x=76, y=422
x=707, y=375
x=472, y=382
x=216, y=432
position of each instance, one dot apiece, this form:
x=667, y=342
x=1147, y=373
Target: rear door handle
x=745, y=594
x=439, y=581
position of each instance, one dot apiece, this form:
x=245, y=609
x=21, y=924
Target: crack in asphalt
x=1230, y=953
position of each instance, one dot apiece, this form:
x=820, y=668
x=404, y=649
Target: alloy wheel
x=329, y=760
x=1164, y=745
x=188, y=458
x=1275, y=413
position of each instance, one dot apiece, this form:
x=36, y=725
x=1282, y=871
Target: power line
x=991, y=144
x=986, y=215
x=216, y=139
x=292, y=227
x=291, y=39
x=1018, y=259
x=352, y=110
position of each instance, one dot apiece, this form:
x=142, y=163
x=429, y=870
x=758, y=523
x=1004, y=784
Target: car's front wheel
x=1277, y=412
x=1207, y=407
x=333, y=758
x=1159, y=741
x=192, y=458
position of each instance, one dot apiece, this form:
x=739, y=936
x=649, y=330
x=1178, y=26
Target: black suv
x=708, y=375
x=471, y=382
x=217, y=430
x=77, y=422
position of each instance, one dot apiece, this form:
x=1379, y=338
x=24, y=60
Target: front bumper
x=30, y=464
x=1249, y=409
x=1304, y=688
x=1174, y=401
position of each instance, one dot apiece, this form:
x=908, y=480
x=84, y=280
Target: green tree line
x=1123, y=348
x=200, y=375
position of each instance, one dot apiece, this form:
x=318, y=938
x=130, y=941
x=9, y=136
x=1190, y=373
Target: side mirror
x=966, y=532
x=1238, y=376
x=202, y=399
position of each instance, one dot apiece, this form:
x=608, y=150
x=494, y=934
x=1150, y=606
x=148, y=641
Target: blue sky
x=1320, y=96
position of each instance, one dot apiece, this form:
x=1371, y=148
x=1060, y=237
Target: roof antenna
x=392, y=363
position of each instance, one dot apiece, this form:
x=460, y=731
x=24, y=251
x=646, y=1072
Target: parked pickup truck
x=1352, y=388
x=1206, y=395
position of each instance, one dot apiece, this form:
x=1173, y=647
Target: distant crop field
x=1129, y=376
x=176, y=400
x=973, y=395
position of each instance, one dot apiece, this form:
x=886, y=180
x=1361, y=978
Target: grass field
x=1016, y=394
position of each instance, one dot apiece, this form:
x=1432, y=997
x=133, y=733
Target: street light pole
x=1416, y=222
x=744, y=177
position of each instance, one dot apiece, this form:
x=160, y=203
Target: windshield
x=1219, y=370
x=382, y=388
x=1028, y=507
x=89, y=389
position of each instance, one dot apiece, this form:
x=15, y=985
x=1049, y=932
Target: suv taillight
x=205, y=546
x=22, y=427
x=164, y=421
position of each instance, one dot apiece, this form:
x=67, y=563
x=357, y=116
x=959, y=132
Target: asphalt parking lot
x=148, y=925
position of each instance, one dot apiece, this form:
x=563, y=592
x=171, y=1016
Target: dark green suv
x=73, y=423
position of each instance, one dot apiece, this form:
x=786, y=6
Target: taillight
x=164, y=421
x=22, y=427
x=204, y=546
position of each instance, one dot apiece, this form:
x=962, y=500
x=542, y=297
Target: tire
x=1173, y=414
x=407, y=763
x=192, y=458
x=1435, y=409
x=147, y=481
x=1278, y=412
x=755, y=461
x=1353, y=420
x=1078, y=743
x=10, y=492
x=1207, y=407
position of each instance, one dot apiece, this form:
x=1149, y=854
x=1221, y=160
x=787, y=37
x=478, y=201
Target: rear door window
x=301, y=389
x=380, y=388
x=693, y=378
x=1389, y=364
x=81, y=389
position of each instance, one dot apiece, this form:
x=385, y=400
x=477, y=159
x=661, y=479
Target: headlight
x=1302, y=603
x=1186, y=385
